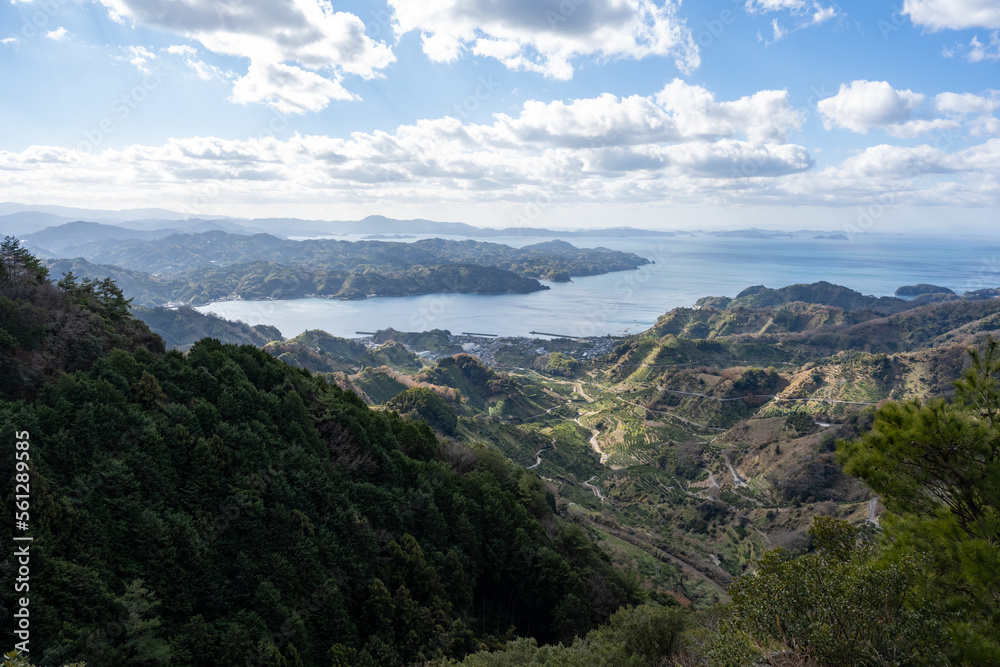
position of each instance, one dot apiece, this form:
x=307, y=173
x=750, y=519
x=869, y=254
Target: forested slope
x=221, y=507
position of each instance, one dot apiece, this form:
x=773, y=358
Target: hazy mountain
x=198, y=225
x=27, y=222
x=98, y=215
x=76, y=233
x=379, y=224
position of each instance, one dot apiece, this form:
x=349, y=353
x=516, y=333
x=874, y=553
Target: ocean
x=685, y=269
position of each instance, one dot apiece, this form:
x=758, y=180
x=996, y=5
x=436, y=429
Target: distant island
x=197, y=269
x=922, y=288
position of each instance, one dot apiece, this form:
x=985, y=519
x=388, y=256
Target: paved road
x=593, y=438
x=737, y=480
x=538, y=458
x=674, y=416
x=597, y=491
x=872, y=506
x=538, y=454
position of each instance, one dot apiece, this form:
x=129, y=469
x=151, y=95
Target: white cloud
x=761, y=117
x=737, y=159
x=803, y=13
x=182, y=50
x=978, y=52
x=966, y=103
x=808, y=12
x=889, y=162
x=960, y=106
x=822, y=15
x=58, y=34
x=9, y=41
x=916, y=127
x=862, y=105
x=779, y=32
x=545, y=36
x=865, y=105
x=761, y=6
x=140, y=57
x=984, y=126
x=678, y=147
x=595, y=122
x=189, y=55
x=953, y=14
x=302, y=42
x=287, y=88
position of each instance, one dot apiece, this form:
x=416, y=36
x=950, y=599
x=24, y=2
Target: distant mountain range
x=22, y=220
x=80, y=233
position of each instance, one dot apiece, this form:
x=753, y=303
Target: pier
x=544, y=333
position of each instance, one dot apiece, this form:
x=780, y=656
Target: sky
x=862, y=117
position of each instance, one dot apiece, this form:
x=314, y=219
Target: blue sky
x=794, y=113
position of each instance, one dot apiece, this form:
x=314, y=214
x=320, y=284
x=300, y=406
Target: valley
x=687, y=450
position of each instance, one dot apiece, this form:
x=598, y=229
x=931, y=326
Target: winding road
x=771, y=396
x=538, y=454
x=737, y=480
x=593, y=437
x=597, y=491
x=872, y=506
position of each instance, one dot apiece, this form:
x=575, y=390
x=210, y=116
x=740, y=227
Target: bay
x=685, y=269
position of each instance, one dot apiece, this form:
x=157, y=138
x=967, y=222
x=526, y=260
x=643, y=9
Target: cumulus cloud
x=679, y=146
x=863, y=105
x=9, y=41
x=58, y=34
x=976, y=111
x=600, y=121
x=303, y=43
x=761, y=117
x=984, y=126
x=888, y=162
x=938, y=15
x=545, y=36
x=961, y=104
x=287, y=88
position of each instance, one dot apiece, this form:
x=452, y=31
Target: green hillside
x=224, y=507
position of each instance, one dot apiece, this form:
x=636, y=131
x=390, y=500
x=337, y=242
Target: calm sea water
x=684, y=270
